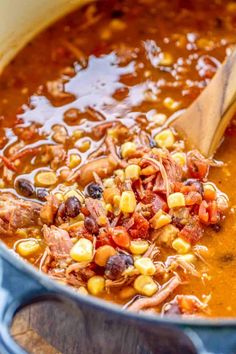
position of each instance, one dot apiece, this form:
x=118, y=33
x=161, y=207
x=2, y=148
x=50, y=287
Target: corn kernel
x=74, y=160
x=102, y=220
x=82, y=290
x=148, y=171
x=167, y=235
x=85, y=146
x=96, y=285
x=2, y=183
x=110, y=193
x=132, y=172
x=138, y=246
x=117, y=25
x=171, y=104
x=165, y=59
x=77, y=134
x=121, y=174
x=188, y=257
x=128, y=202
x=145, y=285
x=109, y=183
x=128, y=149
x=158, y=118
x=108, y=208
x=181, y=246
x=28, y=248
x=207, y=186
x=127, y=292
x=176, y=200
x=145, y=266
x=179, y=158
x=74, y=193
x=22, y=233
x=45, y=179
x=59, y=196
x=165, y=139
x=160, y=219
x=82, y=251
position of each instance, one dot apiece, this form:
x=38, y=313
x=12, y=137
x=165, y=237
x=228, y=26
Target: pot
x=63, y=317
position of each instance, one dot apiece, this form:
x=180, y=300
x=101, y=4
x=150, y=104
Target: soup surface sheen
x=107, y=74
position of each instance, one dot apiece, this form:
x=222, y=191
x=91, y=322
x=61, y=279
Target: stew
x=96, y=190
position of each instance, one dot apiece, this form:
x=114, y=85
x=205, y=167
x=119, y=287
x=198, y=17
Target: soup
x=96, y=190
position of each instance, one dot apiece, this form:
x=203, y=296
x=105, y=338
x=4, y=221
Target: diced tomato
x=105, y=238
x=154, y=199
x=197, y=167
x=121, y=237
x=140, y=227
x=192, y=232
x=203, y=213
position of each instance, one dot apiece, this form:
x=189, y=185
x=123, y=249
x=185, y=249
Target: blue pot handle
x=16, y=290
x=213, y=340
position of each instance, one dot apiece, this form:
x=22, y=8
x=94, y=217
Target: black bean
x=196, y=183
x=129, y=261
x=216, y=227
x=227, y=257
x=117, y=13
x=91, y=225
x=115, y=267
x=94, y=190
x=42, y=193
x=72, y=207
x=24, y=187
x=61, y=212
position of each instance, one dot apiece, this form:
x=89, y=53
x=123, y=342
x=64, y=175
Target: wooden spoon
x=204, y=122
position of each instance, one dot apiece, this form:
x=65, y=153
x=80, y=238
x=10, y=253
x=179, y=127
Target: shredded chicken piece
x=165, y=291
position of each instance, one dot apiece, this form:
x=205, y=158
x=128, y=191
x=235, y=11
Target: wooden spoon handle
x=205, y=121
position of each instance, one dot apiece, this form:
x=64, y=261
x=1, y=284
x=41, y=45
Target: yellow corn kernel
x=45, y=179
x=103, y=253
x=77, y=134
x=82, y=290
x=188, y=257
x=2, y=183
x=102, y=220
x=117, y=25
x=167, y=235
x=74, y=161
x=74, y=193
x=82, y=251
x=128, y=149
x=165, y=59
x=176, y=200
x=145, y=285
x=207, y=186
x=59, y=196
x=109, y=183
x=22, y=233
x=96, y=285
x=138, y=246
x=127, y=292
x=110, y=193
x=116, y=201
x=121, y=174
x=145, y=266
x=181, y=246
x=160, y=219
x=132, y=172
x=28, y=248
x=84, y=146
x=165, y=139
x=109, y=208
x=148, y=171
x=171, y=104
x=179, y=158
x=158, y=118
x=128, y=202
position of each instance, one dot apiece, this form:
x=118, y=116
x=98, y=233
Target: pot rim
x=30, y=270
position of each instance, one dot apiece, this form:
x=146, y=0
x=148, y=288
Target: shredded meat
x=158, y=298
x=49, y=210
x=17, y=213
x=58, y=241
